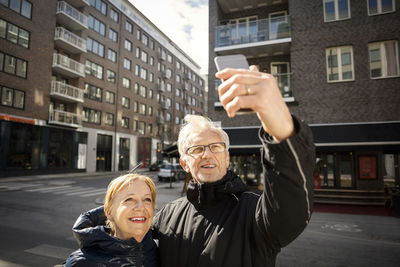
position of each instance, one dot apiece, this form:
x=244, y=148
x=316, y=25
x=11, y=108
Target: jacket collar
x=206, y=195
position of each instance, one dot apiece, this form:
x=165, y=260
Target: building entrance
x=336, y=170
x=104, y=152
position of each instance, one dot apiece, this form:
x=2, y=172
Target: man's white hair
x=198, y=124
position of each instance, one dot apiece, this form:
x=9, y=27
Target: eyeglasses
x=199, y=150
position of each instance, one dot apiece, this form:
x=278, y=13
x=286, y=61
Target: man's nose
x=207, y=151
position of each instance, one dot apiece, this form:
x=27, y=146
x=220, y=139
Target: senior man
x=221, y=222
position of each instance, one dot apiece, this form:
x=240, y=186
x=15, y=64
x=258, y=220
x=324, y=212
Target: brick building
x=337, y=65
x=89, y=85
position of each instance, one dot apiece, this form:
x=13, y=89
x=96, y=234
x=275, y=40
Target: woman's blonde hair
x=198, y=124
x=119, y=184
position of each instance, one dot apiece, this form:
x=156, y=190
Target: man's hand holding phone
x=250, y=89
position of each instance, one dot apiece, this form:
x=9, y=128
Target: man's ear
x=185, y=166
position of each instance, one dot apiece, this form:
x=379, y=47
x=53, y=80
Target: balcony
x=272, y=36
x=164, y=106
x=66, y=92
x=161, y=87
x=71, y=17
x=69, y=41
x=160, y=120
x=65, y=118
x=79, y=3
x=67, y=66
x=239, y=5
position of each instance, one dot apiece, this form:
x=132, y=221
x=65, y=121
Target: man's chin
x=207, y=178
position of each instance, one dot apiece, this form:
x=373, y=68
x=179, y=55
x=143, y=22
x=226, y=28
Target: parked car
x=168, y=171
x=155, y=166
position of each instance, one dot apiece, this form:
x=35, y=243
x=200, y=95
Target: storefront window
x=389, y=170
x=345, y=170
x=330, y=165
x=248, y=167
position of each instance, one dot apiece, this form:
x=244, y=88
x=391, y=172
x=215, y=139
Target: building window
x=336, y=10
x=110, y=97
x=376, y=7
x=12, y=97
x=149, y=128
x=128, y=45
x=137, y=70
x=339, y=63
x=100, y=6
x=97, y=25
x=151, y=77
x=95, y=47
x=109, y=119
x=138, y=34
x=150, y=94
x=113, y=35
x=111, y=76
x=12, y=65
x=93, y=92
x=112, y=55
x=143, y=91
x=142, y=109
x=91, y=115
x=152, y=61
x=126, y=102
x=142, y=127
x=135, y=107
x=143, y=73
x=22, y=7
x=128, y=26
x=114, y=15
x=144, y=56
x=136, y=88
x=169, y=58
x=145, y=40
x=127, y=64
x=94, y=69
x=125, y=122
x=126, y=83
x=384, y=59
x=135, y=126
x=150, y=111
x=169, y=87
x=14, y=34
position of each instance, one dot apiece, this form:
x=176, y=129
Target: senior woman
x=125, y=240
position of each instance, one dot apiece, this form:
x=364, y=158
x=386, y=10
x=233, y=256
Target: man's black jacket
x=225, y=224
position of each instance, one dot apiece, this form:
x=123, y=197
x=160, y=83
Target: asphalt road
x=37, y=215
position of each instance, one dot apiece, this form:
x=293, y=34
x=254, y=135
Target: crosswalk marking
x=10, y=264
x=67, y=190
x=46, y=189
x=95, y=193
x=50, y=251
x=88, y=190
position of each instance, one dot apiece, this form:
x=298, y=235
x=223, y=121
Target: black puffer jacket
x=224, y=224
x=99, y=248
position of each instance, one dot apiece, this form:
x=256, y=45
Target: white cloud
x=185, y=22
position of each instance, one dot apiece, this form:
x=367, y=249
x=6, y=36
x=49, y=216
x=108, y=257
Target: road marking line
x=94, y=194
x=50, y=251
x=71, y=190
x=47, y=189
x=86, y=191
x=10, y=264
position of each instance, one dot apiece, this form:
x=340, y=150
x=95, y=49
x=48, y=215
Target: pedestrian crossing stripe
x=68, y=190
x=50, y=251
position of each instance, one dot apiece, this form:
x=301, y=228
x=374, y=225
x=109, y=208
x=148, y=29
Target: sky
x=185, y=22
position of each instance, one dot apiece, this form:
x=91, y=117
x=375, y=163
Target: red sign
x=367, y=167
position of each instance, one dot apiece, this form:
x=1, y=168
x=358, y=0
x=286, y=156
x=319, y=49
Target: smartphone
x=238, y=61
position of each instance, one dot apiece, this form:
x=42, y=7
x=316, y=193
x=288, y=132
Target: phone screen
x=236, y=62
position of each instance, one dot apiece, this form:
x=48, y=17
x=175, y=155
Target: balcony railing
x=70, y=41
x=67, y=66
x=77, y=20
x=65, y=91
x=252, y=31
x=65, y=118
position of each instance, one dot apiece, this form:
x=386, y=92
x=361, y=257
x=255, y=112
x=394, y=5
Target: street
x=37, y=216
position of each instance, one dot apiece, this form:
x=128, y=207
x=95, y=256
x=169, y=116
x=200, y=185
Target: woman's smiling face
x=132, y=211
